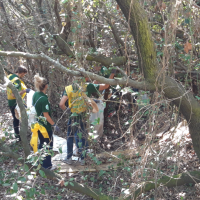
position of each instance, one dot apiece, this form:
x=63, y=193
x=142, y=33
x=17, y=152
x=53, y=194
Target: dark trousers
x=47, y=160
x=76, y=129
x=15, y=121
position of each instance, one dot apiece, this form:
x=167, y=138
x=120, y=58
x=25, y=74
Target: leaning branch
x=24, y=125
x=107, y=61
x=115, y=61
x=121, y=81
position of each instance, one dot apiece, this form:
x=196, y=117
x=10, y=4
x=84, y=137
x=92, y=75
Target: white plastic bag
x=29, y=98
x=31, y=112
x=98, y=128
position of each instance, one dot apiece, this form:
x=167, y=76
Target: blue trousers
x=15, y=121
x=47, y=160
x=76, y=130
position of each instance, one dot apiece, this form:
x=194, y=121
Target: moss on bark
x=138, y=22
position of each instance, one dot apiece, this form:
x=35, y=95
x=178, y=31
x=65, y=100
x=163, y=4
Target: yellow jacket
x=9, y=91
x=34, y=140
x=77, y=101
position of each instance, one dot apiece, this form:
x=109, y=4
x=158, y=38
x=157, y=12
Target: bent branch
x=122, y=81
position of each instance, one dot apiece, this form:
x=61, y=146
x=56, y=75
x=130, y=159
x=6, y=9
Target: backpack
x=78, y=100
x=32, y=114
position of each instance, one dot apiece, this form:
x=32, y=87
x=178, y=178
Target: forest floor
x=174, y=150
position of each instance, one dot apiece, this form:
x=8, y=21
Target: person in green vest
x=12, y=103
x=43, y=128
x=77, y=123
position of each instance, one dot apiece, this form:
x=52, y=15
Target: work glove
x=56, y=128
x=28, y=90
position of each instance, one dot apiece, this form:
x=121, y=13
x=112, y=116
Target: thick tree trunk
x=183, y=99
x=138, y=22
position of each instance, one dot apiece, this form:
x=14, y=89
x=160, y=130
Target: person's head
x=40, y=83
x=21, y=71
x=87, y=79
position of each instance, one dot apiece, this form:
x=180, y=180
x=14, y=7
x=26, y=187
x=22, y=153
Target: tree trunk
x=183, y=99
x=138, y=22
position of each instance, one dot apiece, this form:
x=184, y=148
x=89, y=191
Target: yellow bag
x=34, y=140
x=9, y=91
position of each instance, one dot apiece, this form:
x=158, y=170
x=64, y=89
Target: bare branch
x=92, y=76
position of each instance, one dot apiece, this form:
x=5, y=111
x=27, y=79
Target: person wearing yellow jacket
x=19, y=84
x=77, y=122
x=43, y=128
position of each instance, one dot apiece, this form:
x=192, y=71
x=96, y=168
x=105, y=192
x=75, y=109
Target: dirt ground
x=180, y=158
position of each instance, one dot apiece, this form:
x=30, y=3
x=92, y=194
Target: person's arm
x=62, y=102
x=22, y=92
x=106, y=86
x=46, y=114
x=48, y=118
x=17, y=84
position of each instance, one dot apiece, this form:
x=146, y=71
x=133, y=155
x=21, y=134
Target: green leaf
x=6, y=184
x=74, y=115
x=75, y=123
x=66, y=183
x=79, y=135
x=71, y=184
x=73, y=30
x=26, y=167
x=42, y=191
x=187, y=21
x=15, y=187
x=101, y=173
x=42, y=173
x=21, y=178
x=159, y=53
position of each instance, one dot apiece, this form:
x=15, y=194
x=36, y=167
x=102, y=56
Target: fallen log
x=76, y=167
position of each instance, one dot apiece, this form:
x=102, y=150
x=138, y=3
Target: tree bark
x=138, y=22
x=118, y=81
x=183, y=99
